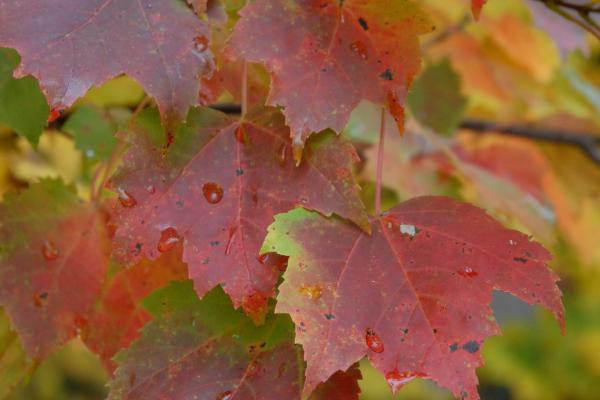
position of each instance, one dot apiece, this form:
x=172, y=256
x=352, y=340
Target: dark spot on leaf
x=520, y=259
x=206, y=260
x=471, y=346
x=179, y=203
x=453, y=347
x=387, y=75
x=214, y=243
x=239, y=172
x=363, y=23
x=329, y=316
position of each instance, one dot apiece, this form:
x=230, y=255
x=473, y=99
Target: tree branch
x=584, y=21
x=581, y=8
x=589, y=143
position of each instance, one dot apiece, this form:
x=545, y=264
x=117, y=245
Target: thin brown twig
x=588, y=143
x=244, y=107
x=588, y=9
x=379, y=176
x=446, y=33
x=555, y=6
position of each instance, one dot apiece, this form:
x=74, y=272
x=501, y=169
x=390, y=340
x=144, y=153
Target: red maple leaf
x=54, y=281
x=53, y=259
x=118, y=316
x=205, y=348
x=325, y=56
x=217, y=190
x=72, y=45
x=414, y=296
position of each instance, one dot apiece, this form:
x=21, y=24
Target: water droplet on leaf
x=200, y=43
x=374, y=342
x=81, y=326
x=150, y=189
x=228, y=395
x=213, y=192
x=359, y=48
x=468, y=272
x=274, y=259
x=132, y=378
x=55, y=114
x=168, y=239
x=39, y=298
x=126, y=199
x=241, y=136
x=49, y=251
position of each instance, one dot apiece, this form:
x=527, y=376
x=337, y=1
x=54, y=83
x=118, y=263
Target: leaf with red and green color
x=53, y=269
x=118, y=315
x=53, y=259
x=22, y=104
x=72, y=45
x=316, y=49
x=476, y=6
x=413, y=296
x=205, y=349
x=218, y=188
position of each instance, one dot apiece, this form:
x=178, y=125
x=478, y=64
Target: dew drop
x=374, y=342
x=49, y=251
x=228, y=395
x=126, y=199
x=150, y=189
x=168, y=239
x=39, y=298
x=81, y=326
x=274, y=259
x=313, y=292
x=397, y=380
x=468, y=272
x=230, y=239
x=200, y=43
x=132, y=378
x=359, y=48
x=512, y=242
x=240, y=135
x=213, y=192
x=282, y=155
x=55, y=114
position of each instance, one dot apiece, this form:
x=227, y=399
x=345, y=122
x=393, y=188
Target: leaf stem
x=244, y=90
x=379, y=163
